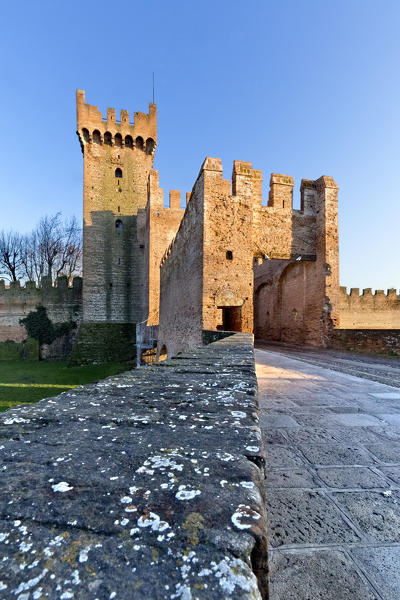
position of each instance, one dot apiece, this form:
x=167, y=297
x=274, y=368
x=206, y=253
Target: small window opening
x=119, y=261
x=119, y=209
x=118, y=140
x=85, y=133
x=96, y=136
x=229, y=255
x=128, y=141
x=139, y=143
x=107, y=138
x=119, y=225
x=149, y=145
x=118, y=173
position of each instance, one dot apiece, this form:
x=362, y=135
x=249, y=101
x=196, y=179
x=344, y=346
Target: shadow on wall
x=284, y=309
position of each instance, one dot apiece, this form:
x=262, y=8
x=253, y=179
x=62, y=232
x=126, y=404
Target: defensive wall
x=227, y=262
x=369, y=310
x=63, y=303
x=228, y=240
x=148, y=484
x=385, y=341
x=157, y=226
x=295, y=297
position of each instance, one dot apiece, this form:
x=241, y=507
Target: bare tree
x=53, y=248
x=11, y=255
x=68, y=260
x=32, y=258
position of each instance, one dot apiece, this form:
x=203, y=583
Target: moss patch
x=104, y=342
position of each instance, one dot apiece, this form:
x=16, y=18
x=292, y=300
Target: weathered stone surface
x=393, y=473
x=146, y=485
x=291, y=478
x=277, y=420
x=351, y=477
x=323, y=538
x=305, y=517
x=317, y=575
x=386, y=453
x=383, y=568
x=282, y=456
x=377, y=514
x=336, y=454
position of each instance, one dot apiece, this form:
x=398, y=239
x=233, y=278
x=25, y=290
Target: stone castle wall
x=368, y=310
x=386, y=341
x=63, y=303
x=296, y=299
x=226, y=263
x=181, y=281
x=118, y=156
x=298, y=252
x=157, y=226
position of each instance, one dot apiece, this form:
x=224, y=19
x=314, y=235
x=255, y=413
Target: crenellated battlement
x=378, y=310
x=279, y=230
x=139, y=135
x=388, y=298
x=155, y=194
x=29, y=287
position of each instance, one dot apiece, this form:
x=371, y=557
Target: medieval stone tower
x=117, y=156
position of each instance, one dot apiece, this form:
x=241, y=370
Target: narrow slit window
x=229, y=255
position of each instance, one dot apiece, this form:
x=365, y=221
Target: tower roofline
x=90, y=117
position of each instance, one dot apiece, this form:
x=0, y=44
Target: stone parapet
x=148, y=484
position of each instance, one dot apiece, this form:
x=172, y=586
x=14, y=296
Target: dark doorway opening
x=232, y=318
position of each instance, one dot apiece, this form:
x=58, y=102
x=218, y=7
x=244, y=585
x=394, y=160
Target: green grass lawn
x=23, y=381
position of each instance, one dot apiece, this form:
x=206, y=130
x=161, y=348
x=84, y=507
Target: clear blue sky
x=301, y=87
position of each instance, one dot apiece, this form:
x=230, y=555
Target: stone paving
x=333, y=479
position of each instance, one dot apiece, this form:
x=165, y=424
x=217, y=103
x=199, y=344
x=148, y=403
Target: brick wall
x=118, y=157
x=295, y=295
x=63, y=303
x=367, y=340
x=228, y=228
x=158, y=226
x=181, y=280
x=368, y=310
x=228, y=254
